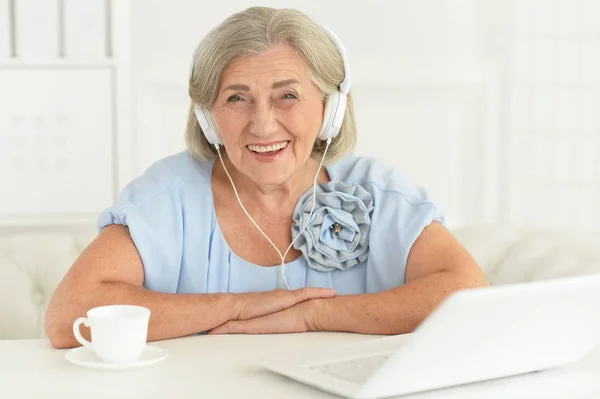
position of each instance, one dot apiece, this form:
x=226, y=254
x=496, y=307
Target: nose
x=263, y=122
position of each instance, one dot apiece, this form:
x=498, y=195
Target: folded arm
x=110, y=271
x=437, y=266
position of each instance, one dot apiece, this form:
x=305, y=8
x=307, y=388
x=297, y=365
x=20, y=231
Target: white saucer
x=85, y=357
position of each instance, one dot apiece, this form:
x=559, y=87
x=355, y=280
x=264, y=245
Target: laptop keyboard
x=354, y=370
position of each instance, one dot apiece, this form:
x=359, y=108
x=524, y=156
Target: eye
x=289, y=96
x=234, y=98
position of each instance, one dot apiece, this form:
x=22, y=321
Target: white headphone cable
x=256, y=225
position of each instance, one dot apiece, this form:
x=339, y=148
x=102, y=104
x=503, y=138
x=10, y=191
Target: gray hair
x=252, y=32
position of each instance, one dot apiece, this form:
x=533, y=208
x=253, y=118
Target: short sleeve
x=396, y=224
x=401, y=211
x=149, y=206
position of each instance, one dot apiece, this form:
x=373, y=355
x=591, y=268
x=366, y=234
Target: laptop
x=473, y=335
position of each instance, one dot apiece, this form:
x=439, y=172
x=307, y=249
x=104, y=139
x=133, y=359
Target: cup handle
x=77, y=333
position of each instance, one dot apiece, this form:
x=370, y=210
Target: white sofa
x=33, y=261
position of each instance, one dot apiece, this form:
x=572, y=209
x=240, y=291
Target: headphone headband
x=345, y=85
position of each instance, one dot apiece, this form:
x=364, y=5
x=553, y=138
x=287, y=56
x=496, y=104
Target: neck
x=276, y=201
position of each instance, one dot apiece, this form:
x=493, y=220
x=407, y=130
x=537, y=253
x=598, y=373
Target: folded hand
x=298, y=318
x=250, y=305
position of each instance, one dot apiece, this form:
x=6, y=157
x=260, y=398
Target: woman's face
x=269, y=113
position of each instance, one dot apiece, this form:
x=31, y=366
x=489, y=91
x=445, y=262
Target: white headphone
x=335, y=106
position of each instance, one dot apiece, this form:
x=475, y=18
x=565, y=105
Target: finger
x=286, y=299
x=314, y=293
x=222, y=329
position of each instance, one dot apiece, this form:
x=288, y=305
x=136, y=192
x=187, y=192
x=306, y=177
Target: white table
x=221, y=367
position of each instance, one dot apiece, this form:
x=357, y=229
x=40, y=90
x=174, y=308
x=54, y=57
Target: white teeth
x=267, y=148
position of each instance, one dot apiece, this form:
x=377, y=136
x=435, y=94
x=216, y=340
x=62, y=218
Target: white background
x=493, y=106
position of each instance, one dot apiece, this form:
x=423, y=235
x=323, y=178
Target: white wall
x=470, y=99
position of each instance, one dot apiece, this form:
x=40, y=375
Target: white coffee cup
x=119, y=332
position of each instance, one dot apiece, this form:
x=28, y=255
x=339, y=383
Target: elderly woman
x=267, y=223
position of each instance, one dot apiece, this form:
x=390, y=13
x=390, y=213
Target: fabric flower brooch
x=337, y=234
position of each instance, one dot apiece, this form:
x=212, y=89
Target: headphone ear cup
x=338, y=116
x=327, y=117
x=335, y=107
x=208, y=125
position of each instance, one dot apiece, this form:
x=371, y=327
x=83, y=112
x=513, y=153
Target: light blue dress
x=171, y=218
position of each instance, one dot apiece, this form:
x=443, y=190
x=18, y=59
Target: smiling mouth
x=268, y=149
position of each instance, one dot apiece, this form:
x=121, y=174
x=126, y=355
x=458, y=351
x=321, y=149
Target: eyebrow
x=275, y=85
x=237, y=87
x=283, y=83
